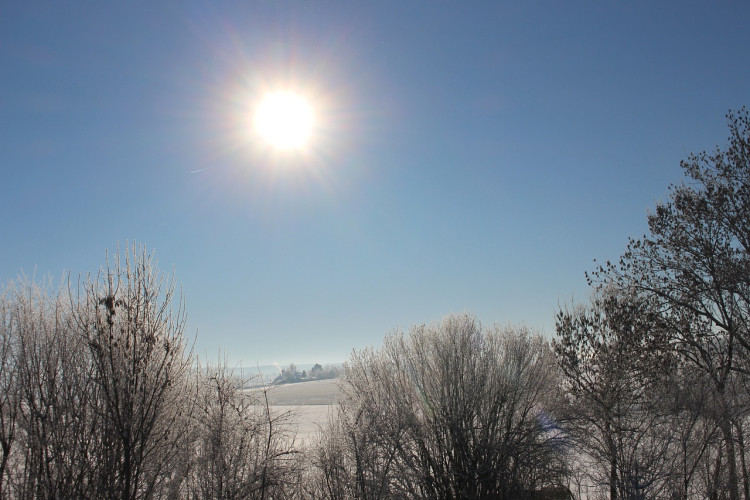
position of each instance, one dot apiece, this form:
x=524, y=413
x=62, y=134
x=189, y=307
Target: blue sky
x=469, y=157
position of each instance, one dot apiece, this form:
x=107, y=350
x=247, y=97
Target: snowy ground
x=310, y=402
x=317, y=392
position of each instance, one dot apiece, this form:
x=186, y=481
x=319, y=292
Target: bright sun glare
x=284, y=120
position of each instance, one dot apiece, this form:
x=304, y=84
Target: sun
x=284, y=120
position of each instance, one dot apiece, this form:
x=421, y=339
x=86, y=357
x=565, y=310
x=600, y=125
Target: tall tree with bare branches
x=133, y=326
x=694, y=267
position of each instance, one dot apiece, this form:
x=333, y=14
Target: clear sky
x=465, y=156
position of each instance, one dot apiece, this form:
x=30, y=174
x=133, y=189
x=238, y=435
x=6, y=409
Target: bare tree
x=688, y=398
x=136, y=344
x=51, y=371
x=614, y=394
x=453, y=410
x=356, y=452
x=694, y=266
x=243, y=448
x=9, y=400
x=99, y=399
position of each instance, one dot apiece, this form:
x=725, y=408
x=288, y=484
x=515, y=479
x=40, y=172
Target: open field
x=317, y=392
x=308, y=420
x=311, y=403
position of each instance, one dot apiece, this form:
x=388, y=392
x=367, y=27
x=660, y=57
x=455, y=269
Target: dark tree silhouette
x=694, y=268
x=606, y=352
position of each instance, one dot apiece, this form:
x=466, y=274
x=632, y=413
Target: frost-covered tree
x=8, y=386
x=133, y=325
x=451, y=410
x=243, y=447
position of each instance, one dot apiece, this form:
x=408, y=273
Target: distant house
x=291, y=375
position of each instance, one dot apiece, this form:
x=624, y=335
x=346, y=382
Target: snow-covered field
x=317, y=392
x=310, y=402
